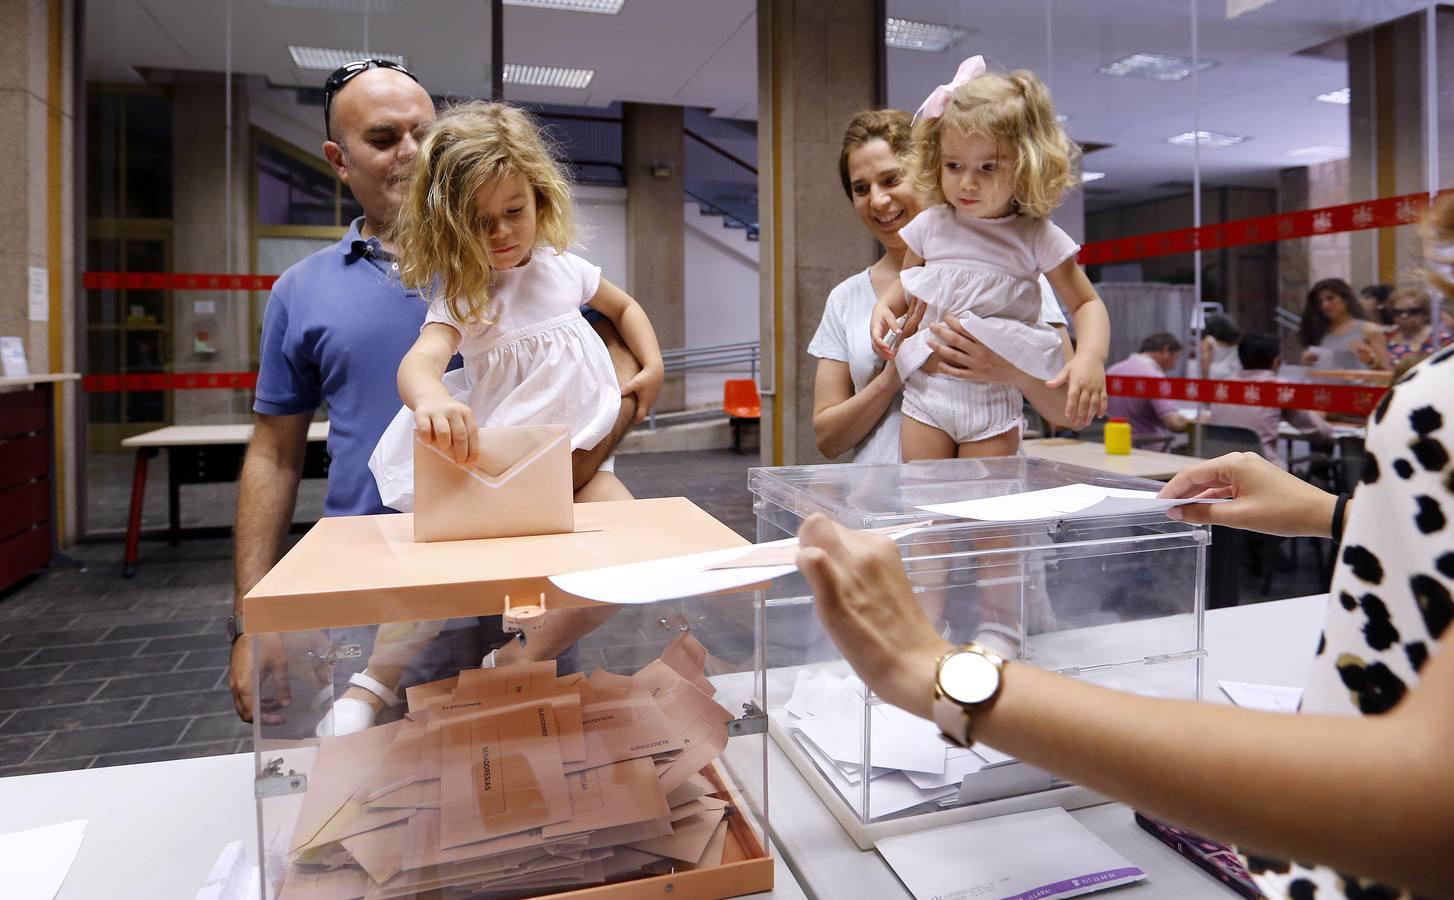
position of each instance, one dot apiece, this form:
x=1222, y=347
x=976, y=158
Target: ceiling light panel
x=326, y=59
x=1091, y=176
x=1154, y=67
x=1341, y=97
x=603, y=7
x=1319, y=153
x=1213, y=139
x=372, y=7
x=548, y=76
x=906, y=34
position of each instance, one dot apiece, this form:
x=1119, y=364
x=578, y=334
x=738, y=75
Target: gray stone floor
x=97, y=670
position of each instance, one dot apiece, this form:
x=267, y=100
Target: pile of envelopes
x=910, y=762
x=512, y=781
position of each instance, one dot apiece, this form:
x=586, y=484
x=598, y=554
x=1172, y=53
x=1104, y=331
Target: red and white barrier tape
x=1344, y=399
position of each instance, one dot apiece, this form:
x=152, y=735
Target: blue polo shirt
x=337, y=325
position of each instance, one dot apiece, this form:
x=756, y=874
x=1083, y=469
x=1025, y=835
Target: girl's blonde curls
x=1015, y=111
x=472, y=146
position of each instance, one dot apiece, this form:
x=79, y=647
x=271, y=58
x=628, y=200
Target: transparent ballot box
x=456, y=726
x=1114, y=600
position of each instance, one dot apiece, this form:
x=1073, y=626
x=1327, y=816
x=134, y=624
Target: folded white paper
x=1269, y=697
x=35, y=862
x=1040, y=854
x=670, y=578
x=1070, y=501
x=695, y=573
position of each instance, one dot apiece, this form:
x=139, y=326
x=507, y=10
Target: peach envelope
x=520, y=486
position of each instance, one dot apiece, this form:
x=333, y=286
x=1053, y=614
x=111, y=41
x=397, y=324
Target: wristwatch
x=966, y=682
x=234, y=629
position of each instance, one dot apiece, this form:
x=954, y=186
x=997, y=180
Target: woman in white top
x=1219, y=349
x=855, y=396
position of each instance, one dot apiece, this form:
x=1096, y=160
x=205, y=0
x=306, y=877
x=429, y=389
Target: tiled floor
x=97, y=670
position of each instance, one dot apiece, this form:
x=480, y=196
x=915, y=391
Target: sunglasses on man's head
x=346, y=73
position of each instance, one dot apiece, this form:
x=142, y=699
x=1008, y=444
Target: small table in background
x=1091, y=455
x=199, y=454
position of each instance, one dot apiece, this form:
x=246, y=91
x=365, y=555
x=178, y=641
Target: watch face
x=232, y=633
x=969, y=678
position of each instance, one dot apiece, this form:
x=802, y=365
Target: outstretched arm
x=635, y=329
x=1372, y=795
x=439, y=419
x=1086, y=372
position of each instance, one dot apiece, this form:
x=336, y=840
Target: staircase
x=721, y=184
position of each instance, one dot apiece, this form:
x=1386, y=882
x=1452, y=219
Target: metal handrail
x=720, y=152
x=685, y=359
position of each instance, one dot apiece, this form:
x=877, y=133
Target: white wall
x=722, y=297
x=601, y=212
x=721, y=277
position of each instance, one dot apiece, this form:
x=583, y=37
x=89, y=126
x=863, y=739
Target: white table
x=1092, y=455
x=154, y=830
x=197, y=454
x=1270, y=643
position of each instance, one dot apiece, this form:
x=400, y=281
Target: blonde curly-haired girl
x=992, y=158
x=483, y=234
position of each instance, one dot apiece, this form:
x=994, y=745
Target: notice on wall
x=12, y=358
x=39, y=294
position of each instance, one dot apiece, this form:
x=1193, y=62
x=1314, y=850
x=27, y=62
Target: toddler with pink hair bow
x=991, y=154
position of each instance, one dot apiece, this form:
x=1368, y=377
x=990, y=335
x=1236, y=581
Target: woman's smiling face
x=883, y=193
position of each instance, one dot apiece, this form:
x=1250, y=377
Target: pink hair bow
x=933, y=107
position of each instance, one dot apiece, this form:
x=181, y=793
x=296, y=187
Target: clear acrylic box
x=1116, y=601
x=596, y=767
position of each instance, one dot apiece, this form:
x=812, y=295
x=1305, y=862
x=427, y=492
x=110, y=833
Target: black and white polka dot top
x=1393, y=586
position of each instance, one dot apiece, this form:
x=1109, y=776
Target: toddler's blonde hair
x=472, y=146
x=1015, y=112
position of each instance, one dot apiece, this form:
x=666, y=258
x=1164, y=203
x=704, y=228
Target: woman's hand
x=866, y=604
x=1264, y=497
x=958, y=355
x=449, y=425
x=1087, y=398
x=881, y=323
x=1311, y=356
x=646, y=385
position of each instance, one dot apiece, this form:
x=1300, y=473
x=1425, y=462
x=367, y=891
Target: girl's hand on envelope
x=449, y=425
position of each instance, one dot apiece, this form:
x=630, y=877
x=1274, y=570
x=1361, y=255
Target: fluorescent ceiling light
x=605, y=7
x=1154, y=67
x=326, y=59
x=376, y=7
x=1206, y=138
x=548, y=76
x=906, y=34
x=1091, y=176
x=1319, y=153
x=1340, y=96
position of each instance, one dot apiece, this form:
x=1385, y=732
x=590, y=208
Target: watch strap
x=952, y=719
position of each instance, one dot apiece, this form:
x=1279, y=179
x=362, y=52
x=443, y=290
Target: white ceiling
x=703, y=53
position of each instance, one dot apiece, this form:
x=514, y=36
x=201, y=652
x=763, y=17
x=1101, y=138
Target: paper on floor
x=1070, y=501
x=1042, y=854
x=35, y=861
x=1269, y=697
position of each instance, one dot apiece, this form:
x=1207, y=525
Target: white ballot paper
x=1269, y=697
x=673, y=577
x=695, y=573
x=1040, y=854
x=1070, y=501
x=36, y=861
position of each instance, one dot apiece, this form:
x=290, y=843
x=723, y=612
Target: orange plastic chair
x=743, y=406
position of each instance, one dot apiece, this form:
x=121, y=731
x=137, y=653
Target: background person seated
x=1152, y=421
x=1261, y=357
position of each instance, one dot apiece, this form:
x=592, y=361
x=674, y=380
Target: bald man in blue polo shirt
x=337, y=325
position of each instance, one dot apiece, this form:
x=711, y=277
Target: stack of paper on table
x=515, y=781
x=912, y=762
